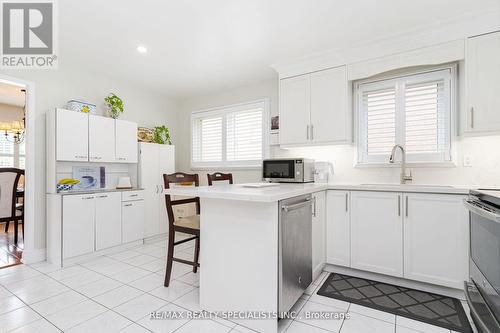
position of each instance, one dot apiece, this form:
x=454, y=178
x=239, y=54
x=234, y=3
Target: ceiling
x=200, y=46
x=11, y=95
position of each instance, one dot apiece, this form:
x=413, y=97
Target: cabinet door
x=78, y=225
x=126, y=141
x=483, y=71
x=436, y=239
x=132, y=221
x=149, y=177
x=72, y=136
x=166, y=166
x=295, y=110
x=107, y=220
x=377, y=232
x=101, y=139
x=330, y=116
x=318, y=233
x=337, y=228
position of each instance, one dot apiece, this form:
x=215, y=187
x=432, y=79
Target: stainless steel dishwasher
x=295, y=250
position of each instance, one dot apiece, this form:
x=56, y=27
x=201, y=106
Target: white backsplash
x=484, y=152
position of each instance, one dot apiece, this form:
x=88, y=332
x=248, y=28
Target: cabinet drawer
x=132, y=195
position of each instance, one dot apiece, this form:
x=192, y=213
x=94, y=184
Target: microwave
x=288, y=170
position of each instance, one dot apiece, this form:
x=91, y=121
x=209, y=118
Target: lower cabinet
x=108, y=220
x=338, y=228
x=377, y=232
x=78, y=231
x=418, y=236
x=436, y=239
x=318, y=233
x=132, y=220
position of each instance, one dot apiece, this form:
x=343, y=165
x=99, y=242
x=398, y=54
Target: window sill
x=408, y=165
x=225, y=167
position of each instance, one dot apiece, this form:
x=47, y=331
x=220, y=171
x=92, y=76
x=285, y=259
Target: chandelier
x=13, y=131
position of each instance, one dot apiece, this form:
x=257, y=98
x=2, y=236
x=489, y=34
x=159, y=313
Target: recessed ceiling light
x=142, y=49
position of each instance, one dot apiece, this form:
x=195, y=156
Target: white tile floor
x=117, y=292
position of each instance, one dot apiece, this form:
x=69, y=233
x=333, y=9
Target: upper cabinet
x=101, y=139
x=76, y=136
x=126, y=141
x=72, y=136
x=483, y=71
x=314, y=108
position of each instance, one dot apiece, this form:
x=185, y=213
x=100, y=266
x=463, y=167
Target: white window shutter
x=244, y=135
x=207, y=139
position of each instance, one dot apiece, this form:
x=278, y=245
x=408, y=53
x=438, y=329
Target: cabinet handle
x=87, y=198
x=314, y=206
x=312, y=132
x=307, y=131
x=471, y=117
x=406, y=206
x=102, y=196
x=127, y=205
x=399, y=205
x=134, y=195
x=346, y=202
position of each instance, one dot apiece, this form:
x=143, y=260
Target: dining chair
x=10, y=210
x=188, y=224
x=219, y=176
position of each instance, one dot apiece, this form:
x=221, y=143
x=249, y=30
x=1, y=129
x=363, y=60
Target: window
x=414, y=111
x=11, y=155
x=232, y=136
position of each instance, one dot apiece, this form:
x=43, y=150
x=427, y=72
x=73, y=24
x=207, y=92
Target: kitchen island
x=239, y=254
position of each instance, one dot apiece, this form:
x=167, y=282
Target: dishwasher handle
x=299, y=205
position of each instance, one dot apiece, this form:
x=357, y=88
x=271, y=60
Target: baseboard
x=431, y=288
x=156, y=238
x=34, y=256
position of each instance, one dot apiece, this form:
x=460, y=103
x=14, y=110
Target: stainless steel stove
x=483, y=289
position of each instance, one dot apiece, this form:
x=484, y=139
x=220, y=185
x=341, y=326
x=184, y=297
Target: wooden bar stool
x=219, y=176
x=188, y=225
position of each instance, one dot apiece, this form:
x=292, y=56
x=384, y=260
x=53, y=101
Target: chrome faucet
x=404, y=177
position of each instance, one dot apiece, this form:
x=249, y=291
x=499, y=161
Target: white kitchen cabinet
x=154, y=161
x=330, y=115
x=436, y=239
x=318, y=233
x=71, y=135
x=108, y=220
x=483, y=71
x=78, y=232
x=126, y=141
x=101, y=139
x=377, y=232
x=132, y=220
x=338, y=228
x=295, y=110
x=314, y=108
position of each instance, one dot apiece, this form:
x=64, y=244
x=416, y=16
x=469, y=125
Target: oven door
x=285, y=170
x=485, y=263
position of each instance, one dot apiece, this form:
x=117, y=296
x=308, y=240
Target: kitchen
x=359, y=165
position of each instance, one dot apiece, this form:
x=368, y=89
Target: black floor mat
x=434, y=309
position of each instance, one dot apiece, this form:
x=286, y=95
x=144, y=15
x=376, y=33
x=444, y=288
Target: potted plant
x=162, y=135
x=114, y=104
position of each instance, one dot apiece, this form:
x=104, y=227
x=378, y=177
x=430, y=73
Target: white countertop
x=284, y=191
x=100, y=190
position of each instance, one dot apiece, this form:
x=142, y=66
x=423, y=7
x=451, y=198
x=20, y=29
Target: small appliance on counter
x=124, y=183
x=323, y=171
x=288, y=170
x=483, y=289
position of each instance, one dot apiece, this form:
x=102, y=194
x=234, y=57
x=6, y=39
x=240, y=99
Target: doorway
x=13, y=102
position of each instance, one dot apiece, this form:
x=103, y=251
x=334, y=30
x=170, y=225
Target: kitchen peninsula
x=239, y=246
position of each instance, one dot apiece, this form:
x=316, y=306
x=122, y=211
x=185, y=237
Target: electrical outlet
x=467, y=160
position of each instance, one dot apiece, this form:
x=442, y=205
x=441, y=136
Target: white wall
x=255, y=91
x=53, y=88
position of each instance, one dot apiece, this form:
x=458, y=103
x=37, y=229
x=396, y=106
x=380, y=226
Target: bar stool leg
x=196, y=253
x=170, y=257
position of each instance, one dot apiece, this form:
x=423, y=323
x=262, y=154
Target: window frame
x=223, y=111
x=426, y=160
x=16, y=155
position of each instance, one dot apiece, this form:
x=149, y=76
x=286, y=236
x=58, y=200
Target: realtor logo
x=28, y=32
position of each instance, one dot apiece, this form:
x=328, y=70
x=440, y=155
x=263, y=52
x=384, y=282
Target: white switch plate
x=467, y=160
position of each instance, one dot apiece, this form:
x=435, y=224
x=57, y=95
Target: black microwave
x=288, y=170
